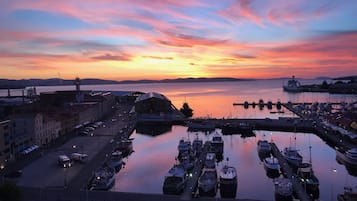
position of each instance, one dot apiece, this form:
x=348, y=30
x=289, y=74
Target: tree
x=186, y=110
x=324, y=85
x=9, y=191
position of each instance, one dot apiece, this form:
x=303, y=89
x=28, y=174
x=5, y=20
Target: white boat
x=208, y=182
x=272, y=167
x=228, y=182
x=210, y=161
x=263, y=146
x=103, y=179
x=184, y=146
x=175, y=180
x=217, y=143
x=350, y=156
x=283, y=189
x=350, y=194
x=292, y=86
x=115, y=160
x=292, y=156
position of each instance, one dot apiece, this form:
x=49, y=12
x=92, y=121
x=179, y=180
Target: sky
x=159, y=39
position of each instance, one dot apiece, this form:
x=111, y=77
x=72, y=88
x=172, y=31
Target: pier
x=300, y=191
x=191, y=185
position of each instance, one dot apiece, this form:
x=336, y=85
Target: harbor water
x=156, y=149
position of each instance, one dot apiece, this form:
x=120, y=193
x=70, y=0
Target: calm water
x=153, y=156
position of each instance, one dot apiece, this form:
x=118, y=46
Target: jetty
x=191, y=185
x=298, y=188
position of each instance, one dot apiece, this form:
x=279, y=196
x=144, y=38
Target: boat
x=210, y=161
x=264, y=147
x=208, y=182
x=272, y=167
x=292, y=86
x=184, y=146
x=308, y=180
x=201, y=125
x=349, y=194
x=283, y=189
x=217, y=143
x=350, y=156
x=228, y=181
x=292, y=156
x=103, y=179
x=197, y=145
x=185, y=161
x=237, y=128
x=341, y=159
x=115, y=160
x=175, y=180
x=125, y=146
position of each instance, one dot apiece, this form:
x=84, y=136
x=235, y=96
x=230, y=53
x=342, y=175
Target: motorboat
x=263, y=147
x=185, y=161
x=197, y=146
x=125, y=146
x=350, y=156
x=228, y=182
x=115, y=160
x=283, y=189
x=350, y=194
x=175, y=180
x=184, y=146
x=292, y=86
x=217, y=143
x=308, y=180
x=210, y=161
x=208, y=182
x=292, y=156
x=272, y=167
x=201, y=125
x=103, y=179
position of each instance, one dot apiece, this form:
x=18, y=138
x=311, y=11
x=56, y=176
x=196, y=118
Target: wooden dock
x=299, y=190
x=191, y=185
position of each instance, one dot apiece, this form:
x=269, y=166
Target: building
x=6, y=143
x=156, y=107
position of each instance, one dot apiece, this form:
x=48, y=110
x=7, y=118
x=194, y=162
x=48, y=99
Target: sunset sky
x=157, y=39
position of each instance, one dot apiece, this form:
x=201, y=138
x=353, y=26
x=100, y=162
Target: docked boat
x=197, y=146
x=217, y=143
x=210, y=161
x=103, y=179
x=201, y=125
x=272, y=167
x=263, y=147
x=292, y=156
x=115, y=161
x=208, y=182
x=283, y=189
x=175, y=180
x=184, y=146
x=350, y=156
x=125, y=146
x=228, y=182
x=308, y=180
x=350, y=194
x=292, y=86
x=185, y=161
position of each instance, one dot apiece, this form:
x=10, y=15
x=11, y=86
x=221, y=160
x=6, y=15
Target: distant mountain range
x=7, y=83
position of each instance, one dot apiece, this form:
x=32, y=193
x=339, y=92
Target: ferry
x=293, y=86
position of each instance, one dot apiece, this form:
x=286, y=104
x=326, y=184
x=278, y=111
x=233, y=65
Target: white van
x=79, y=157
x=64, y=161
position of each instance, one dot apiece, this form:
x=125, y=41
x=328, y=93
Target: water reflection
x=153, y=128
